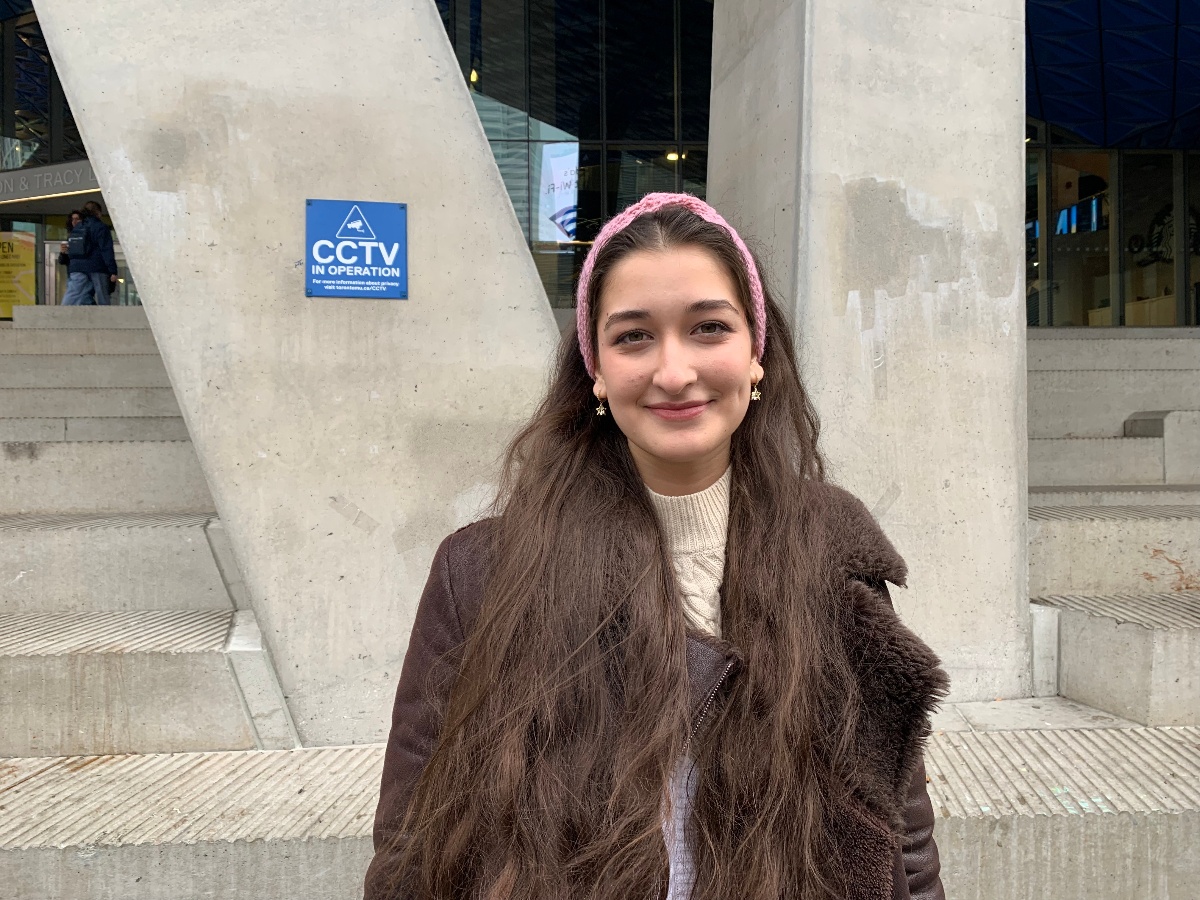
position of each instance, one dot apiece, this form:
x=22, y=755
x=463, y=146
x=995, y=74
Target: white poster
x=559, y=192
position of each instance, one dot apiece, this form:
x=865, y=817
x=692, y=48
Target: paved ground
x=1023, y=715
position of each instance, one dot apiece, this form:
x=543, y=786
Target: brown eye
x=632, y=337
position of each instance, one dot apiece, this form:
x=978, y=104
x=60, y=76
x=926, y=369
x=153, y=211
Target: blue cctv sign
x=356, y=248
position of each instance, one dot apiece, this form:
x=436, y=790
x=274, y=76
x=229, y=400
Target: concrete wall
x=342, y=439
x=874, y=153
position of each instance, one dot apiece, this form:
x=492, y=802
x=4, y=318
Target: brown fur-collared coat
x=885, y=836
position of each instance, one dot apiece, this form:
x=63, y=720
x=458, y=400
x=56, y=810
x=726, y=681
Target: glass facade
x=1103, y=247
x=36, y=125
x=37, y=129
x=588, y=106
x=1192, y=276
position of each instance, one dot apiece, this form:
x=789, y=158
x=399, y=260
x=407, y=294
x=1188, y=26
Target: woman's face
x=675, y=363
x=75, y=220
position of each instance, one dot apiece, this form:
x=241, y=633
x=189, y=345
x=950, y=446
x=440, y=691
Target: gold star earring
x=600, y=410
x=754, y=392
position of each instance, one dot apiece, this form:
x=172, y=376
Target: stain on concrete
x=884, y=242
x=896, y=244
x=18, y=450
x=1182, y=579
x=179, y=155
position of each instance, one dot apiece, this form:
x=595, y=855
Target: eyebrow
x=696, y=306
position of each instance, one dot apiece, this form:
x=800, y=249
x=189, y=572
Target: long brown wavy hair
x=571, y=710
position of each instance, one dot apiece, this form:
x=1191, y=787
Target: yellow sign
x=18, y=271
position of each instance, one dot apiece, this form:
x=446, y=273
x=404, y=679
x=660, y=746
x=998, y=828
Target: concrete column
x=342, y=439
x=874, y=152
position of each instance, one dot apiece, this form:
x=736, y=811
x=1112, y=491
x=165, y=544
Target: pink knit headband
x=621, y=221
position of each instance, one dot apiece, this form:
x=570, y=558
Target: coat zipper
x=708, y=702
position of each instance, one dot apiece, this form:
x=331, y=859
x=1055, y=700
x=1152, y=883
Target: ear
x=598, y=388
x=756, y=371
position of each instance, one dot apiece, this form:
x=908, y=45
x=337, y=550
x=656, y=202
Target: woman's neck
x=677, y=479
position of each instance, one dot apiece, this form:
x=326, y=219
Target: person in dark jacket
x=74, y=218
x=669, y=666
x=93, y=264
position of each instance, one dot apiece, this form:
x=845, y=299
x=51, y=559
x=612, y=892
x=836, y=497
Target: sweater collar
x=695, y=523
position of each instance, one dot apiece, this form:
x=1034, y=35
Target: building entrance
x=33, y=265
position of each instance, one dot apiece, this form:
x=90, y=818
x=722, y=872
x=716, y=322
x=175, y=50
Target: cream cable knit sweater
x=695, y=528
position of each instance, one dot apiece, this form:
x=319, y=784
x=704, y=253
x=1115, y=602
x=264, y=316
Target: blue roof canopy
x=1117, y=73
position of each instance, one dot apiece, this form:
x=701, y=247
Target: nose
x=675, y=370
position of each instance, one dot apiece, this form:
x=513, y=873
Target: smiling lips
x=678, y=412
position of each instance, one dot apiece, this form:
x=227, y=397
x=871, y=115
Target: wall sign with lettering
x=48, y=181
x=356, y=248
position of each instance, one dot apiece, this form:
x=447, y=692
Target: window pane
x=72, y=143
x=1034, y=314
x=556, y=179
x=591, y=194
x=31, y=146
x=1194, y=237
x=497, y=62
x=695, y=63
x=1079, y=214
x=695, y=171
x=639, y=69
x=512, y=157
x=1147, y=188
x=500, y=121
x=634, y=173
x=564, y=73
x=561, y=237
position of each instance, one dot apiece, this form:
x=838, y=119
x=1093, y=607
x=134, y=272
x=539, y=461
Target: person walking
x=93, y=264
x=669, y=666
x=74, y=217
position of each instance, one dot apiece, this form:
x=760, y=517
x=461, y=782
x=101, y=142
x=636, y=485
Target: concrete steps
x=118, y=682
x=123, y=625
x=83, y=403
x=1114, y=523
x=1116, y=608
x=1096, y=402
x=1102, y=550
x=1179, y=431
x=100, y=477
x=1115, y=495
x=119, y=341
x=1155, y=638
x=112, y=428
x=1157, y=447
x=1073, y=813
x=108, y=562
x=140, y=681
x=54, y=370
x=1076, y=461
x=1097, y=809
x=1113, y=348
x=190, y=826
x=88, y=317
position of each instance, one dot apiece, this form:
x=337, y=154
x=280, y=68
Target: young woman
x=669, y=666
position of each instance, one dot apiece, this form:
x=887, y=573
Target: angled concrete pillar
x=342, y=439
x=874, y=153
